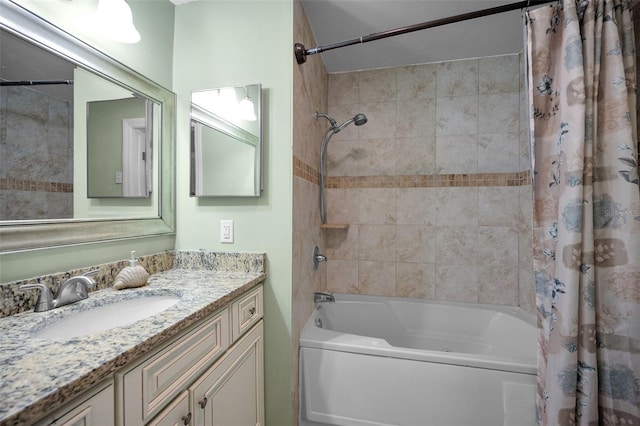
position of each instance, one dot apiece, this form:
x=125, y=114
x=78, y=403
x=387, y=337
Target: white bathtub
x=367, y=360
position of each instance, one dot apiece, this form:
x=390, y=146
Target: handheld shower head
x=359, y=120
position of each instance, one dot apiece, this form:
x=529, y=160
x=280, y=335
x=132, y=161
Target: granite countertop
x=37, y=376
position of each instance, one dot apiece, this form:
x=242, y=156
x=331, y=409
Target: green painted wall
x=233, y=43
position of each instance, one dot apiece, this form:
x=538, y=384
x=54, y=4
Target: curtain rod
x=34, y=82
x=301, y=52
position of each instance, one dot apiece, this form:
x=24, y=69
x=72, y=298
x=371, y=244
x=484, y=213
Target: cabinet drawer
x=97, y=409
x=148, y=387
x=245, y=312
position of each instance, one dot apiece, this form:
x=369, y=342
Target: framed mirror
x=226, y=142
x=46, y=196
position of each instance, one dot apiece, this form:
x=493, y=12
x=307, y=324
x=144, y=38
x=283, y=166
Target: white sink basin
x=106, y=317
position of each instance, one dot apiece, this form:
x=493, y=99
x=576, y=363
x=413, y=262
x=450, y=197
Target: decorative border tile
x=310, y=174
x=35, y=185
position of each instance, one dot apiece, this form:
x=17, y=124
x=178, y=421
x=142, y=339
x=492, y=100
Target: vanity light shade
x=246, y=110
x=116, y=21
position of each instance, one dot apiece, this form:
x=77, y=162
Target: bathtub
x=369, y=360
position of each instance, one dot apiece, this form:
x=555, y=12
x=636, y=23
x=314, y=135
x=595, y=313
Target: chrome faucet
x=323, y=297
x=71, y=291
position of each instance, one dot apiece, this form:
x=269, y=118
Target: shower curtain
x=582, y=92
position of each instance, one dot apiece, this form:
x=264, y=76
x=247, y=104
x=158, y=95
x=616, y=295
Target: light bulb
x=116, y=21
x=246, y=110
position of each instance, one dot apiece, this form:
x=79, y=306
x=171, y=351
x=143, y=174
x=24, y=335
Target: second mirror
x=226, y=142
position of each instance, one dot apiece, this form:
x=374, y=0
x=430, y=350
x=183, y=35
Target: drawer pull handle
x=186, y=419
x=252, y=310
x=203, y=403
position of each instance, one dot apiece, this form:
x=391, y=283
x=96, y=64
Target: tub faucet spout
x=323, y=298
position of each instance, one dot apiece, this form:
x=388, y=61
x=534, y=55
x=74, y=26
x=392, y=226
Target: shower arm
x=301, y=52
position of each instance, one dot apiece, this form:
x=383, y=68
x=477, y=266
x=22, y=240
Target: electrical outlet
x=226, y=231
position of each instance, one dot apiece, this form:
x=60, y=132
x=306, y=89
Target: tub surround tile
x=457, y=115
x=86, y=361
x=456, y=78
x=499, y=74
x=496, y=285
x=342, y=276
x=416, y=82
x=377, y=278
x=447, y=143
x=379, y=85
x=416, y=280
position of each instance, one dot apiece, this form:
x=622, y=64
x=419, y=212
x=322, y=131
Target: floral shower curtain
x=582, y=87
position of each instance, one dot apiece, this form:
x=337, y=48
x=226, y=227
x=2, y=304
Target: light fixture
x=246, y=110
x=116, y=21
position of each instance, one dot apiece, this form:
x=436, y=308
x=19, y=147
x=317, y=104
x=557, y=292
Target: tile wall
x=435, y=187
x=36, y=180
x=310, y=95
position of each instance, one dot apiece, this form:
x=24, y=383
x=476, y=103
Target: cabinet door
x=97, y=410
x=175, y=414
x=231, y=392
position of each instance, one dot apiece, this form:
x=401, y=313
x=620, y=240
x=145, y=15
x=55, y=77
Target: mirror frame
x=18, y=236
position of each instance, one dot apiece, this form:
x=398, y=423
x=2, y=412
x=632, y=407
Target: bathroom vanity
x=198, y=362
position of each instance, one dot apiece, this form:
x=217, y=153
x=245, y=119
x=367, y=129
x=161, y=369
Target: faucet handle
x=45, y=300
x=91, y=275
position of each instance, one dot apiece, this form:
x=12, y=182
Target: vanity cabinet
x=230, y=392
x=95, y=408
x=215, y=368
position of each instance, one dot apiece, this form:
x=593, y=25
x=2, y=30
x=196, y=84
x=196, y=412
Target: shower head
x=359, y=120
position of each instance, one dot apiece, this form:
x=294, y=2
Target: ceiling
x=338, y=20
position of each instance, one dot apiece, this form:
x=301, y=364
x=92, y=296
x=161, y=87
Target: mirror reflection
x=44, y=171
x=58, y=152
x=226, y=142
x=119, y=148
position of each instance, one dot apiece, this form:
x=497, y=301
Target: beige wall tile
x=499, y=206
x=377, y=206
x=416, y=206
x=382, y=120
x=378, y=85
x=456, y=245
x=457, y=154
x=457, y=115
x=416, y=280
x=499, y=74
x=499, y=153
x=416, y=156
x=452, y=241
x=456, y=283
x=497, y=246
x=457, y=207
x=342, y=243
x=377, y=278
x=415, y=244
x=377, y=242
x=499, y=113
x=416, y=117
x=342, y=276
x=417, y=82
x=343, y=89
x=375, y=157
x=498, y=285
x=457, y=78
x=342, y=205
